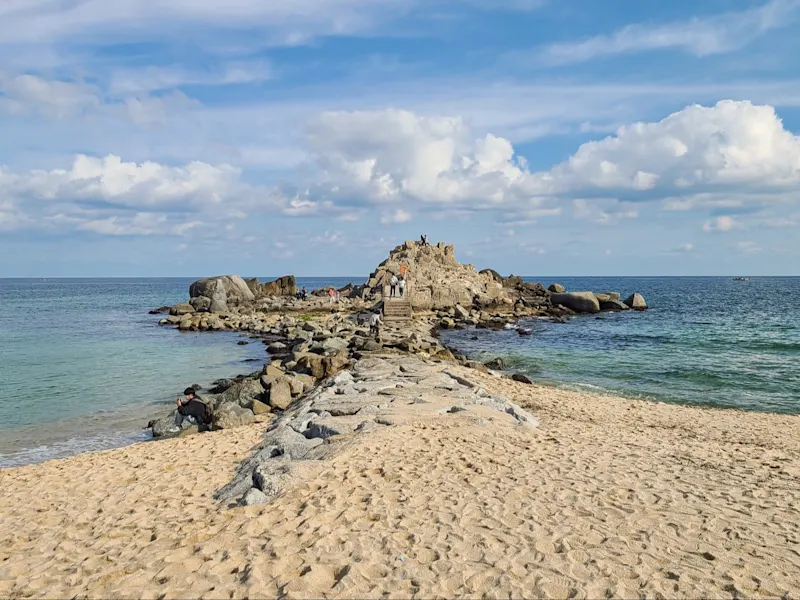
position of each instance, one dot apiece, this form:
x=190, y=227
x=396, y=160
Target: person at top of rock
x=332, y=295
x=393, y=286
x=193, y=410
x=423, y=240
x=401, y=287
x=304, y=293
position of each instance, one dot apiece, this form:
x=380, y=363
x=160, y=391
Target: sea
x=83, y=366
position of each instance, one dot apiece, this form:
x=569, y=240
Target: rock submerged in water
x=636, y=302
x=580, y=302
x=496, y=364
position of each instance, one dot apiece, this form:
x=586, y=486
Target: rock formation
x=436, y=280
x=222, y=292
x=283, y=286
x=580, y=302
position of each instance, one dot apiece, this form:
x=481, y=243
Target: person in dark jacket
x=192, y=409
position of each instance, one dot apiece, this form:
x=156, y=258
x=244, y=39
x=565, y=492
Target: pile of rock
x=436, y=279
x=592, y=302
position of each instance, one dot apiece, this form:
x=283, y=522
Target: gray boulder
x=461, y=312
x=611, y=304
x=229, y=416
x=254, y=496
x=496, y=364
x=223, y=291
x=581, y=302
x=184, y=308
x=636, y=302
x=161, y=427
x=334, y=344
x=201, y=303
x=280, y=394
x=242, y=393
x=557, y=288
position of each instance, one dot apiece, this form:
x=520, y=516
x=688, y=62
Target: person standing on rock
x=375, y=325
x=393, y=286
x=401, y=286
x=193, y=410
x=332, y=295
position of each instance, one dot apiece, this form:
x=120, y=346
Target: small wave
x=70, y=447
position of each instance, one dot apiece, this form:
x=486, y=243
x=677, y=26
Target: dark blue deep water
x=83, y=366
x=705, y=340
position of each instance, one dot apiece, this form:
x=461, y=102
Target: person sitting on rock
x=375, y=324
x=193, y=410
x=401, y=287
x=393, y=286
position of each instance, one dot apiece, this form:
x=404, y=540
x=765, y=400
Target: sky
x=266, y=137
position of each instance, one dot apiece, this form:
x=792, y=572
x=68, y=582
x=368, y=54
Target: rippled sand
x=608, y=497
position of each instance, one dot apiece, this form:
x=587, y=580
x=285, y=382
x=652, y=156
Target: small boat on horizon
x=741, y=279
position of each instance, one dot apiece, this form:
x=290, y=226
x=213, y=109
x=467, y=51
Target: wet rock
x=636, y=302
x=521, y=378
x=581, y=302
x=159, y=310
x=496, y=364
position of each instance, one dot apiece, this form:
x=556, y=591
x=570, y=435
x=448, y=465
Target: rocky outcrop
x=436, y=279
x=557, y=288
x=636, y=302
x=380, y=392
x=495, y=275
x=222, y=292
x=283, y=286
x=580, y=302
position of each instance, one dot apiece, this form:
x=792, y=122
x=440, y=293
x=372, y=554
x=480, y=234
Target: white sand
x=606, y=497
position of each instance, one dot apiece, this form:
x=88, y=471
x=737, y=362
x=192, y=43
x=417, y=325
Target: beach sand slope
x=607, y=497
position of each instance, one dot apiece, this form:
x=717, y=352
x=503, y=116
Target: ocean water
x=84, y=367
x=709, y=341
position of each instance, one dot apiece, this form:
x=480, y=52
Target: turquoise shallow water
x=705, y=340
x=83, y=366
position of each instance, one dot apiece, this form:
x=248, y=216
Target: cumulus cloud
x=110, y=196
x=700, y=36
x=389, y=156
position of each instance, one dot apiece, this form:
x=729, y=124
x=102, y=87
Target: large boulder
x=242, y=393
x=282, y=286
x=229, y=416
x=580, y=302
x=223, y=292
x=280, y=394
x=557, y=288
x=201, y=303
x=636, y=302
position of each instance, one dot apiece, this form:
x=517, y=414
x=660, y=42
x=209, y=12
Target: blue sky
x=196, y=137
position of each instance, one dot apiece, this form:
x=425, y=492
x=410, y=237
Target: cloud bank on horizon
x=163, y=138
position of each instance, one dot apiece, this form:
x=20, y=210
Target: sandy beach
x=607, y=497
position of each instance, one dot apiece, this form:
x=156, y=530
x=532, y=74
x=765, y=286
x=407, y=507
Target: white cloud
x=700, y=36
x=389, y=156
x=125, y=82
x=729, y=145
x=398, y=216
x=23, y=94
x=602, y=211
x=687, y=248
x=724, y=223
